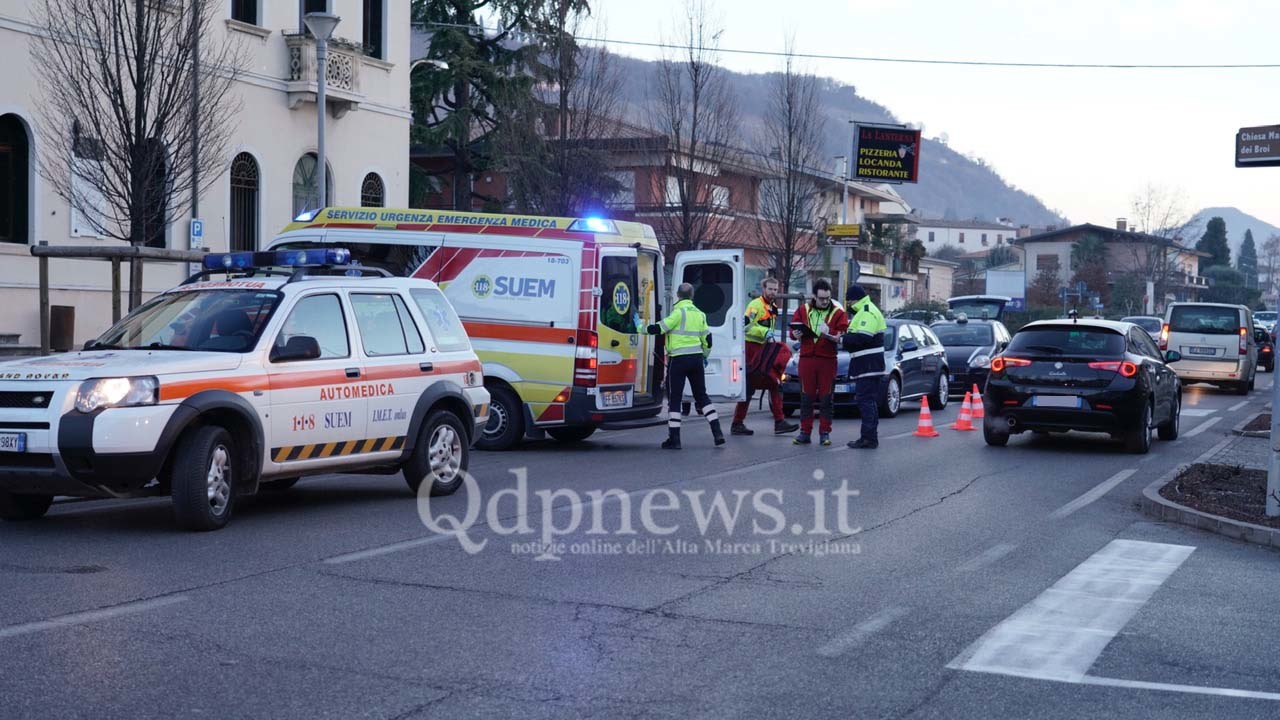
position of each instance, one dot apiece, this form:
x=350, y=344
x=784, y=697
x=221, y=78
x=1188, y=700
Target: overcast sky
x=1083, y=141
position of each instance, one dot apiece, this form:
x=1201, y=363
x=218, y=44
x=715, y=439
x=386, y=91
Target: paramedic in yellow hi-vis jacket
x=688, y=344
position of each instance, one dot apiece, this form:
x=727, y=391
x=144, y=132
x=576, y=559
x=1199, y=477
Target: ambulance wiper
x=162, y=346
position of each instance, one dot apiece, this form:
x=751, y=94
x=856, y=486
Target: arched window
x=306, y=194
x=372, y=192
x=15, y=180
x=245, y=185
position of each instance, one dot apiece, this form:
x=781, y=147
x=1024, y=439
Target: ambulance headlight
x=117, y=392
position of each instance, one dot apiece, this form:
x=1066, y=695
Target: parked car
x=244, y=380
x=970, y=346
x=917, y=365
x=1216, y=344
x=1152, y=324
x=1266, y=349
x=979, y=307
x=1087, y=375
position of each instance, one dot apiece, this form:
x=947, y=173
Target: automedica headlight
x=116, y=392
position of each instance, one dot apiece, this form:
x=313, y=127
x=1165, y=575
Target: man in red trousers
x=817, y=324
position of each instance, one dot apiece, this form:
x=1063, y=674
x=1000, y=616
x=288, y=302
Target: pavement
x=962, y=581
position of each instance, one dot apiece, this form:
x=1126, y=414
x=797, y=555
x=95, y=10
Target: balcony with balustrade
x=342, y=90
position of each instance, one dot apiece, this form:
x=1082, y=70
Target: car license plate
x=1056, y=401
x=614, y=398
x=844, y=388
x=955, y=378
x=13, y=442
x=1200, y=350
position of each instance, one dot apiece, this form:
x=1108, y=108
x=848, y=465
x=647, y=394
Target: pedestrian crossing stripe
x=336, y=449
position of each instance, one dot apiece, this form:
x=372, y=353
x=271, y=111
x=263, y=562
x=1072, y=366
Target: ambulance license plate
x=613, y=398
x=13, y=442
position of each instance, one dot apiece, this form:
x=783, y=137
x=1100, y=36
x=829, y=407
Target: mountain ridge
x=952, y=185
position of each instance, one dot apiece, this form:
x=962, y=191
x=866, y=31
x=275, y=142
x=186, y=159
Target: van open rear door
x=719, y=290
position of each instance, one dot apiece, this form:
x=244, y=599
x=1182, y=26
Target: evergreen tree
x=1214, y=242
x=1247, y=263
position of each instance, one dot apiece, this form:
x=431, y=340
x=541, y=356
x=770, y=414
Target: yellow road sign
x=844, y=230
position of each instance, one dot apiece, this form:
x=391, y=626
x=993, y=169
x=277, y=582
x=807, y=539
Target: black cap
x=854, y=293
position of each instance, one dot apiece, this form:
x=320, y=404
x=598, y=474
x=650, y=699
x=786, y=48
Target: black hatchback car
x=1088, y=375
x=970, y=346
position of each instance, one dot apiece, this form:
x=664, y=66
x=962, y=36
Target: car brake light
x=998, y=364
x=1124, y=367
x=1164, y=337
x=1244, y=341
x=585, y=359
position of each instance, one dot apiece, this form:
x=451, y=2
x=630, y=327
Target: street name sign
x=1258, y=146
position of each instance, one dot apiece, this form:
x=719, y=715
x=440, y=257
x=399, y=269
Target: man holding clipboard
x=818, y=325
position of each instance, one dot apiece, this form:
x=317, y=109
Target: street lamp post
x=321, y=25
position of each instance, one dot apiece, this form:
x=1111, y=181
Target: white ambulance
x=556, y=308
x=247, y=379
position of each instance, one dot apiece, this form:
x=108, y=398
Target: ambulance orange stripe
x=316, y=378
x=500, y=331
x=386, y=444
x=327, y=450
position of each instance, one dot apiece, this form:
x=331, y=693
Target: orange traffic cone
x=924, y=428
x=965, y=421
x=978, y=412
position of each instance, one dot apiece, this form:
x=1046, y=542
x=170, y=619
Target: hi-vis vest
x=865, y=339
x=760, y=320
x=686, y=329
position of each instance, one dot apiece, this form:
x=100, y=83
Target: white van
x=556, y=308
x=1216, y=343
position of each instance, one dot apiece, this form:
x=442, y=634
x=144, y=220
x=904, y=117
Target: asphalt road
x=965, y=582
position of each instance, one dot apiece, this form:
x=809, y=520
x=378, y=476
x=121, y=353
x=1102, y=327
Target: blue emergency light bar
x=280, y=258
x=594, y=225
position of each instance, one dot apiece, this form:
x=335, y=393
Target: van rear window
x=1204, y=319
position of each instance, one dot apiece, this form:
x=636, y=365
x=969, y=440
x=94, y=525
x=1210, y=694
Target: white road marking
x=386, y=549
x=1201, y=427
x=1098, y=491
x=861, y=632
x=1060, y=634
x=899, y=436
x=1169, y=687
x=84, y=618
x=990, y=555
x=1197, y=412
x=1238, y=405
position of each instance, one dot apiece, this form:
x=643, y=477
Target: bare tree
x=698, y=115
x=116, y=97
x=1159, y=212
x=792, y=139
x=553, y=142
x=1271, y=260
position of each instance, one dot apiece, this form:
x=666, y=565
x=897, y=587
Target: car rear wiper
x=1046, y=348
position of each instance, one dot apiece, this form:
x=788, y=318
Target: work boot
x=716, y=433
x=673, y=440
x=864, y=444
x=740, y=429
x=824, y=439
x=801, y=439
x=782, y=427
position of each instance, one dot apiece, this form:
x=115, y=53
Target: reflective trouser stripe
x=710, y=414
x=673, y=420
x=871, y=374
x=868, y=351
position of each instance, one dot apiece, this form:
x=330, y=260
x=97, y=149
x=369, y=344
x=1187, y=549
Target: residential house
x=968, y=235
x=269, y=173
x=1168, y=263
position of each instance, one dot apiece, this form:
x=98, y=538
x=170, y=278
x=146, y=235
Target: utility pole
x=195, y=114
x=321, y=25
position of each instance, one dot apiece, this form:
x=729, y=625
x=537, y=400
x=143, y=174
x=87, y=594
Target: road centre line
x=988, y=556
x=1197, y=412
x=1098, y=491
x=90, y=616
x=1060, y=634
x=1238, y=405
x=1201, y=427
x=861, y=632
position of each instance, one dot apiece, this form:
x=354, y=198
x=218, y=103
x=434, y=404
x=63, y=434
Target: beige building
x=270, y=162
